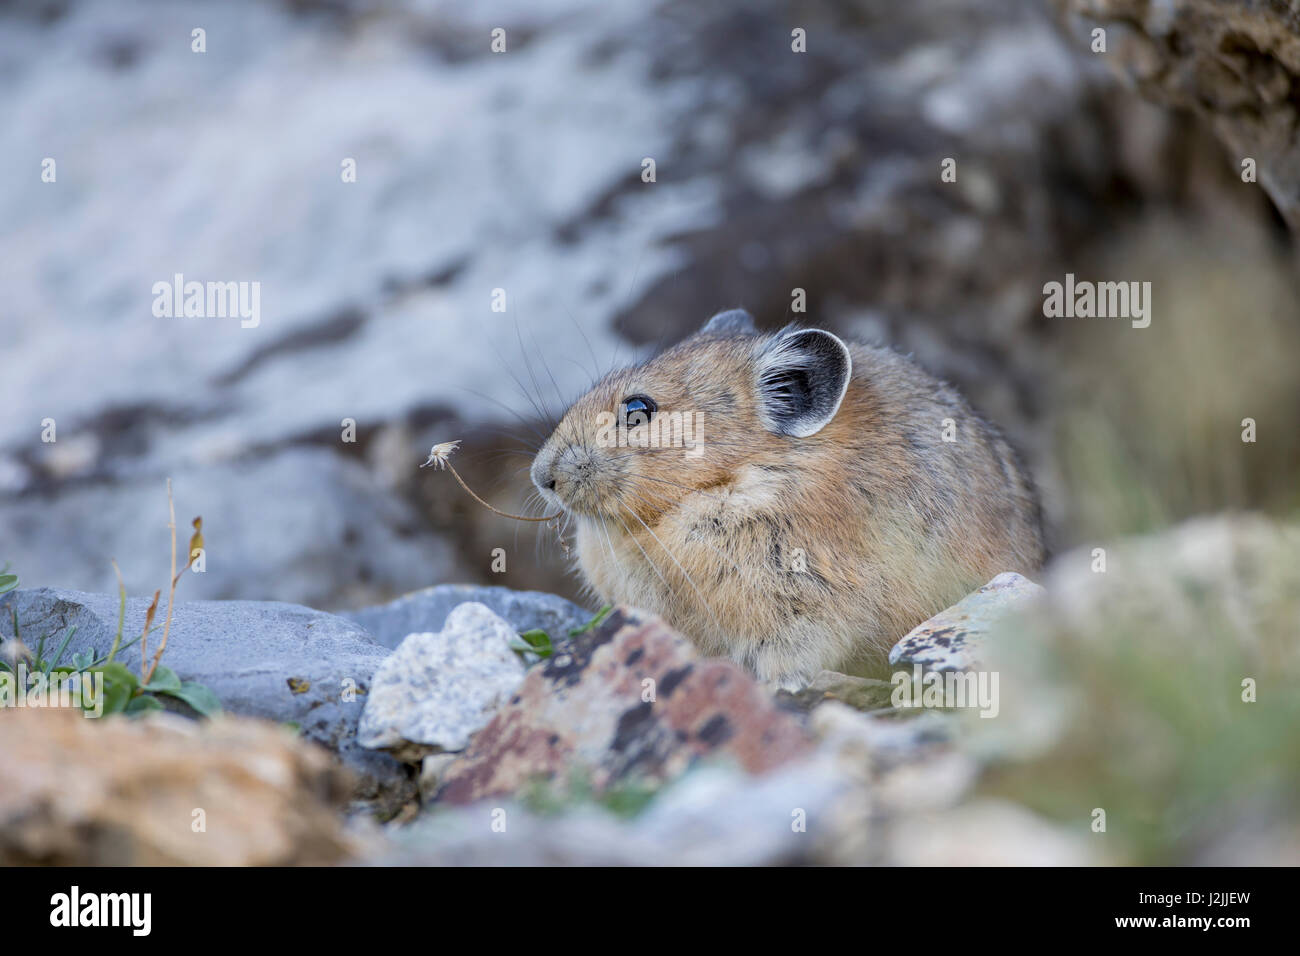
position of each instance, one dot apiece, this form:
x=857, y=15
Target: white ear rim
x=776, y=355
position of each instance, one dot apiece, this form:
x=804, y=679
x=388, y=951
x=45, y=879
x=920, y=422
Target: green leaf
x=72, y=629
x=8, y=582
x=143, y=704
x=593, y=623
x=164, y=681
x=536, y=639
x=536, y=643
x=116, y=696
x=198, y=697
x=115, y=672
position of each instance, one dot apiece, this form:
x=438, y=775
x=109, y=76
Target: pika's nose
x=542, y=472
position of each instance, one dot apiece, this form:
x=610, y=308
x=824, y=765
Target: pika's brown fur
x=789, y=554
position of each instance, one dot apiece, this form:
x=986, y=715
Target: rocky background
x=522, y=171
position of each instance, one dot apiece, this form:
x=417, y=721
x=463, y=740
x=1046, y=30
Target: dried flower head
x=439, y=455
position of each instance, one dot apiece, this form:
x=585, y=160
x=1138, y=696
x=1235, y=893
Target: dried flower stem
x=171, y=593
x=439, y=457
x=121, y=612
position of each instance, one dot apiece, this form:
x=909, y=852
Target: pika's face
x=645, y=438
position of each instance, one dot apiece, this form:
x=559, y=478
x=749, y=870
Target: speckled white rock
x=953, y=640
x=436, y=690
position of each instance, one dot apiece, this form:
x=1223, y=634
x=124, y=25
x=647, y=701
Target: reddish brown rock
x=630, y=701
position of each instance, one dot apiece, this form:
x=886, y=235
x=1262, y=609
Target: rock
x=127, y=792
x=953, y=639
x=630, y=701
x=427, y=610
x=431, y=771
x=300, y=525
x=886, y=741
x=437, y=690
x=860, y=693
x=282, y=662
x=1236, y=62
x=801, y=812
x=1160, y=690
x=989, y=833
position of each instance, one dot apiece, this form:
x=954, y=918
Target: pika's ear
x=802, y=377
x=731, y=322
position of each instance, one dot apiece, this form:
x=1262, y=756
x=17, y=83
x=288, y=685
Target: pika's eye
x=638, y=410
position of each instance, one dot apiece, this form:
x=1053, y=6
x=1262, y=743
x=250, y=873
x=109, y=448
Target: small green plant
x=537, y=644
x=594, y=623
x=555, y=797
x=123, y=691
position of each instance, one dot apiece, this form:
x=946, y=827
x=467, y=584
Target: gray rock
x=436, y=690
x=427, y=610
x=278, y=661
x=953, y=640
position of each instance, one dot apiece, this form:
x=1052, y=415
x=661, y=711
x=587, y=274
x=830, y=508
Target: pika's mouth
x=567, y=477
x=552, y=499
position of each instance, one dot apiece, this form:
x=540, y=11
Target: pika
x=787, y=500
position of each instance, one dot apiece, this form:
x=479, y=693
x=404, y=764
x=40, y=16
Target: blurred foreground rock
x=281, y=662
x=1160, y=690
x=163, y=791
x=713, y=816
